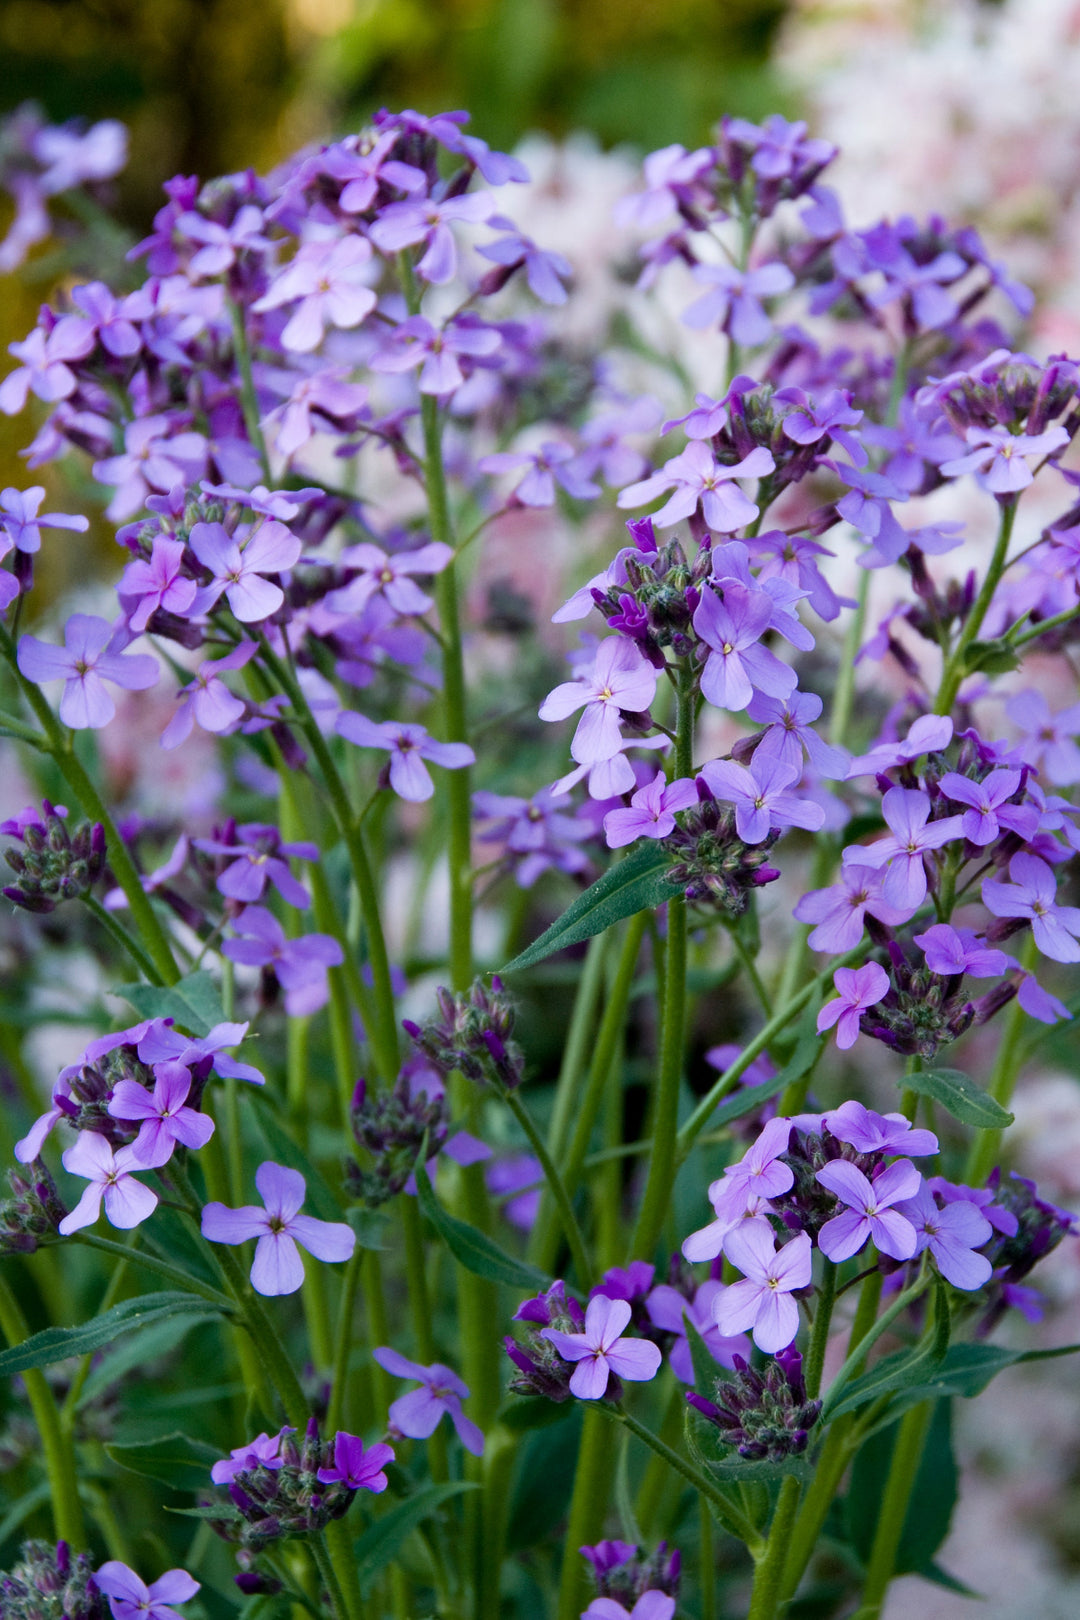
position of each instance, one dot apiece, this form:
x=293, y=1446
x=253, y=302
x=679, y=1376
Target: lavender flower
x=328, y=282
x=670, y=1311
x=760, y=796
x=299, y=964
x=438, y=351
x=408, y=746
x=651, y=1605
x=1000, y=459
x=620, y=679
x=869, y=1214
x=599, y=1349
x=356, y=1467
x=840, y=909
x=130, y=1597
x=1032, y=895
x=735, y=300
x=990, y=811
x=440, y=1394
x=388, y=574
x=951, y=1233
x=166, y=1121
x=761, y=1303
x=552, y=464
x=913, y=836
x=256, y=862
x=262, y=1452
x=652, y=811
x=22, y=522
x=238, y=570
x=858, y=988
x=111, y=1180
x=279, y=1227
x=207, y=700
x=89, y=657
x=738, y=666
x=698, y=479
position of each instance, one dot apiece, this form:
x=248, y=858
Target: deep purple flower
x=131, y=1599
x=89, y=657
x=760, y=795
x=21, y=521
x=1000, y=459
x=441, y=1392
x=552, y=464
x=652, y=811
x=734, y=300
x=990, y=812
x=869, y=1214
x=405, y=224
x=436, y=350
x=761, y=1302
x=279, y=1227
x=355, y=1467
x=907, y=812
x=738, y=666
x=651, y=1605
x=839, y=910
x=257, y=852
x=1033, y=894
x=157, y=582
x=330, y=280
x=631, y=1282
x=127, y=1201
x=238, y=570
x=789, y=732
x=858, y=989
x=670, y=1311
x=408, y=747
x=620, y=679
x=262, y=1452
x=699, y=479
x=166, y=1120
x=951, y=1234
x=952, y=950
x=299, y=964
x=600, y=1351
x=868, y=1132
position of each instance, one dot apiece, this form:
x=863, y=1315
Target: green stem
x=554, y=1181
x=910, y=1439
x=119, y=933
x=706, y=1562
x=768, y=1577
x=149, y=1262
x=858, y=1355
x=337, y=1413
x=324, y=1563
x=248, y=403
x=587, y=1509
x=819, y=1334
x=728, y=1512
x=844, y=694
x=986, y=1148
x=953, y=673
x=578, y=1039
x=1044, y=627
x=58, y=1452
x=420, y=1315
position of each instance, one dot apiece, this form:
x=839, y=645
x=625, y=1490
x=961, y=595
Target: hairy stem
x=57, y=1449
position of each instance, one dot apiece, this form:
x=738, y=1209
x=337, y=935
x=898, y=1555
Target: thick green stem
x=844, y=694
x=57, y=1450
x=861, y=1349
x=338, y=1409
x=768, y=1577
x=910, y=1439
x=554, y=1181
x=595, y=1464
x=953, y=673
x=328, y=1575
x=579, y=1037
x=819, y=1335
x=706, y=1562
x=248, y=403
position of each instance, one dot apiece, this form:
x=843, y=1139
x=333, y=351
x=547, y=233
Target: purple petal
x=277, y=1267
x=326, y=1240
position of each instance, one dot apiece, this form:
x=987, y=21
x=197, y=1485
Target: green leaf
x=904, y=1369
x=937, y=1576
x=933, y=1497
x=964, y=1100
x=57, y=1343
x=474, y=1249
x=139, y=1351
x=995, y=657
x=26, y=1504
x=194, y=1003
x=543, y=1481
x=381, y=1541
x=637, y=883
x=173, y=1459
x=723, y=1462
x=319, y=1200
x=706, y=1372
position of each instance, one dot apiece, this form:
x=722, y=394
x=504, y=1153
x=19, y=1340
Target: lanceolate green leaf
x=194, y=1002
x=958, y=1093
x=380, y=1543
x=637, y=883
x=57, y=1343
x=906, y=1369
x=473, y=1248
x=174, y=1459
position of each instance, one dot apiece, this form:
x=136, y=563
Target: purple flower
x=545, y=271
x=699, y=479
x=238, y=571
x=258, y=850
x=907, y=812
x=990, y=811
x=159, y=582
x=277, y=1267
x=330, y=281
x=789, y=732
x=355, y=1467
x=408, y=747
x=1000, y=458
x=868, y=1132
x=208, y=700
x=553, y=463
x=441, y=1391
x=708, y=1241
x=734, y=300
x=127, y=1201
x=1033, y=894
x=621, y=679
x=780, y=148
x=299, y=964
x=738, y=666
x=760, y=1173
x=869, y=1214
x=405, y=224
x=599, y=1351
x=326, y=396
x=155, y=457
x=1047, y=739
x=166, y=1121
x=262, y=1452
x=921, y=283
x=415, y=342
x=951, y=1234
x=858, y=989
x=22, y=523
x=388, y=573
x=952, y=950
x=630, y=1282
x=222, y=243
x=828, y=417
x=669, y=175
x=537, y=832
x=89, y=657
x=44, y=370
x=928, y=735
x=652, y=811
x=839, y=910
x=670, y=1311
x=761, y=1302
x=651, y=1605
x=131, y=1599
x=760, y=796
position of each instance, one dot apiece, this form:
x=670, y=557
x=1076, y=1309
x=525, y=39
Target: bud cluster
x=473, y=1035
x=541, y=1370
x=712, y=864
x=655, y=607
x=391, y=1126
x=48, y=1584
x=920, y=1012
x=33, y=1212
x=624, y=1573
x=264, y=1504
x=53, y=863
x=764, y=1416
x=1012, y=391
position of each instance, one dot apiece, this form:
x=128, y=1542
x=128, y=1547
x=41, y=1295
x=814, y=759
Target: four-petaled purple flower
x=257, y=852
x=156, y=582
x=127, y=1202
x=868, y=1132
x=1000, y=459
x=699, y=479
x=131, y=1599
x=552, y=464
x=21, y=521
x=238, y=570
x=789, y=732
x=869, y=1214
x=907, y=812
x=858, y=989
x=928, y=734
x=166, y=1120
x=436, y=350
x=441, y=1392
x=990, y=812
x=299, y=964
x=330, y=280
x=279, y=1227
x=958, y=950
x=951, y=1234
x=600, y=1350
x=405, y=224
x=207, y=700
x=620, y=679
x=738, y=665
x=1033, y=894
x=734, y=300
x=389, y=574
x=652, y=811
x=1048, y=739
x=89, y=657
x=356, y=1467
x=262, y=1452
x=760, y=795
x=408, y=747
x=839, y=910
x=761, y=1301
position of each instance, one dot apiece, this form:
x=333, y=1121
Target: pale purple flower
x=22, y=523
x=869, y=1214
x=827, y=417
x=738, y=666
x=299, y=964
x=859, y=988
x=405, y=224
x=990, y=813
x=436, y=350
x=708, y=1241
x=441, y=1392
x=600, y=1351
x=868, y=1132
x=651, y=1605
x=605, y=450
x=545, y=271
x=408, y=746
x=238, y=570
x=621, y=679
x=931, y=305
x=155, y=457
x=72, y=156
x=913, y=835
x=221, y=244
x=388, y=573
x=131, y=1599
x=356, y=1467
x=734, y=300
x=552, y=464
x=45, y=370
x=610, y=778
x=652, y=811
x=957, y=950
x=166, y=1119
x=1033, y=894
x=928, y=735
x=670, y=1311
x=760, y=795
x=329, y=281
x=157, y=1042
x=699, y=479
x=840, y=909
x=279, y=1227
x=325, y=396
x=207, y=700
x=1039, y=1002
x=731, y=565
x=536, y=832
x=88, y=658
x=262, y=1452
x=789, y=732
x=780, y=147
x=257, y=851
x=761, y=1302
x=112, y=318
x=1048, y=739
x=1000, y=458
x=157, y=582
x=668, y=173
x=951, y=1234
x=760, y=1173
x=110, y=1175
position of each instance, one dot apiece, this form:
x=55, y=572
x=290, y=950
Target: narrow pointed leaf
x=474, y=1249
x=958, y=1093
x=637, y=883
x=57, y=1343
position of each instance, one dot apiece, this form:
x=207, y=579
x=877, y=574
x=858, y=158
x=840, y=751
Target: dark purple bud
x=642, y=533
